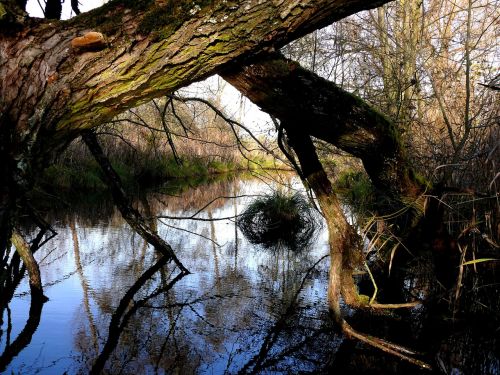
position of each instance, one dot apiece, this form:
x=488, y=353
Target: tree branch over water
x=131, y=215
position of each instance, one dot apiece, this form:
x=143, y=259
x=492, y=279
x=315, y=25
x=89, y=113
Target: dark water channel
x=243, y=309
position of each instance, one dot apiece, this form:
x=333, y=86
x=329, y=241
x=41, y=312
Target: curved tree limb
x=344, y=247
x=150, y=50
x=53, y=88
x=321, y=109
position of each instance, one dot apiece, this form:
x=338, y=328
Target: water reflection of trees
x=242, y=310
x=185, y=333
x=13, y=347
x=12, y=271
x=215, y=318
x=188, y=198
x=177, y=195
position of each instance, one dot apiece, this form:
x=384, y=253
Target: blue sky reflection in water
x=214, y=320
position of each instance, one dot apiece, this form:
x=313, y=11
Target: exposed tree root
x=344, y=242
x=395, y=305
x=386, y=346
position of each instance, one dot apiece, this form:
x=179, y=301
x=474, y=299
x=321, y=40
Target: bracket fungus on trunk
x=91, y=41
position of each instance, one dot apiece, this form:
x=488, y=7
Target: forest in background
x=177, y=137
x=432, y=67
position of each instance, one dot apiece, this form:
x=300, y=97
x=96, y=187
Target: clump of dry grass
x=280, y=219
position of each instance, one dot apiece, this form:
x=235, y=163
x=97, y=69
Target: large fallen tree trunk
x=60, y=77
x=303, y=100
x=310, y=105
x=56, y=81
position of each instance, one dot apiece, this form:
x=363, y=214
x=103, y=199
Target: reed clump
x=280, y=219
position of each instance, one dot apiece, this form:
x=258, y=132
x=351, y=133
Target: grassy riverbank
x=86, y=174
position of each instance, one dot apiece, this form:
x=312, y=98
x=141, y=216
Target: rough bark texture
x=49, y=87
x=323, y=110
x=342, y=238
x=51, y=91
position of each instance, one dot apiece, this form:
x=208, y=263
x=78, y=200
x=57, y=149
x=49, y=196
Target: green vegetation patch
x=356, y=189
x=87, y=176
x=280, y=219
x=163, y=20
x=160, y=21
x=3, y=12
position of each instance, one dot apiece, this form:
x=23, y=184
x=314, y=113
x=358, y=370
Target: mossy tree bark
x=343, y=240
x=293, y=94
x=318, y=108
x=52, y=89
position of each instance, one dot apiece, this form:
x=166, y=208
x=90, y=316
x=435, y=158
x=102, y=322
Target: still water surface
x=242, y=309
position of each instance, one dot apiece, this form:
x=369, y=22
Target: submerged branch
x=385, y=346
x=344, y=244
x=24, y=251
x=38, y=299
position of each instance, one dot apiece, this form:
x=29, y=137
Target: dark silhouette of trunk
x=22, y=4
x=8, y=192
x=24, y=337
x=130, y=214
x=53, y=9
x=320, y=108
x=24, y=252
x=124, y=311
